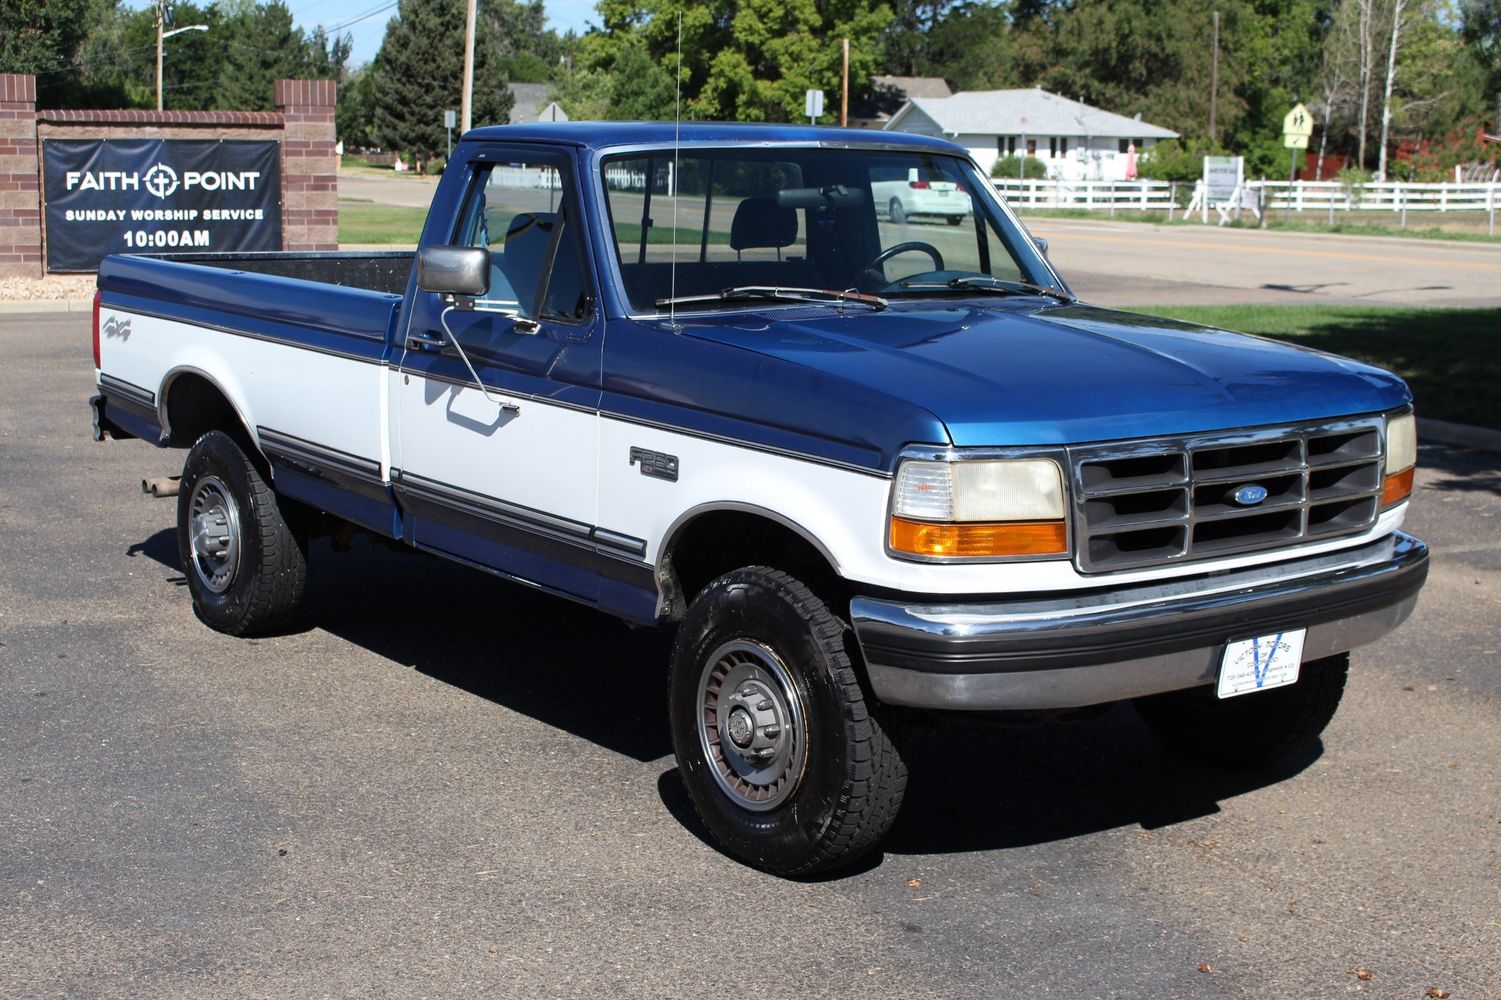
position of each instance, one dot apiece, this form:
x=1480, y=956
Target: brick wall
x=20, y=185
x=303, y=123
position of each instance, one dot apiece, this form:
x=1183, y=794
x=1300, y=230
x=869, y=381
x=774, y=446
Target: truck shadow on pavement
x=974, y=786
x=977, y=787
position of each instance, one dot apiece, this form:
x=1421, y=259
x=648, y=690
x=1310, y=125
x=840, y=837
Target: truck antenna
x=677, y=126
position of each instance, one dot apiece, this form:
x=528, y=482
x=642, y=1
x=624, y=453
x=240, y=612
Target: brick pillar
x=20, y=179
x=309, y=165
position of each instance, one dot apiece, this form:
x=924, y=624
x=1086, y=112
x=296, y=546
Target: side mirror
x=460, y=271
x=1041, y=244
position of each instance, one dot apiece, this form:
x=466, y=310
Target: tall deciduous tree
x=752, y=60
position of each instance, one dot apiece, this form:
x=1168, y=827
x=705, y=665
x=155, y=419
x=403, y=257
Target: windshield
x=898, y=224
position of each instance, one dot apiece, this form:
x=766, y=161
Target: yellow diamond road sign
x=1298, y=123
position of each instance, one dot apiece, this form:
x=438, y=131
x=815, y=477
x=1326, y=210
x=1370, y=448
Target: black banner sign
x=109, y=196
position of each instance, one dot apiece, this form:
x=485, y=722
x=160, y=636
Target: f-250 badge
x=656, y=464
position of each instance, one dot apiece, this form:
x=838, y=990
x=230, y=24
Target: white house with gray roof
x=1074, y=140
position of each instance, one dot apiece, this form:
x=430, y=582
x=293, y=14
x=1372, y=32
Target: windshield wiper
x=990, y=283
x=772, y=293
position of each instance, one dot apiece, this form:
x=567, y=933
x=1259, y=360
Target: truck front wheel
x=785, y=761
x=1250, y=730
x=245, y=562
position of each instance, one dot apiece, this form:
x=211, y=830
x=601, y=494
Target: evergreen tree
x=419, y=73
x=263, y=47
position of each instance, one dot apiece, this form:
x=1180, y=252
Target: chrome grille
x=1143, y=503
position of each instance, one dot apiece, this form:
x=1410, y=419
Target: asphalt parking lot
x=439, y=784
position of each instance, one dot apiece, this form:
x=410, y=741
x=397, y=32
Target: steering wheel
x=877, y=278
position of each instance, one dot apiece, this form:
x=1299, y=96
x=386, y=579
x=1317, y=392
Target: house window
x=1031, y=147
x=1057, y=146
x=1124, y=143
x=1005, y=145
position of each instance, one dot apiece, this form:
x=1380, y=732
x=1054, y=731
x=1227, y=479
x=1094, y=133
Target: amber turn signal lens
x=1015, y=538
x=1398, y=487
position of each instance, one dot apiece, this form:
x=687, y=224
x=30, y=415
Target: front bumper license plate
x=1267, y=661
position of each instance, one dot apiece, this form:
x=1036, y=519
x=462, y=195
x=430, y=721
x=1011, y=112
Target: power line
x=363, y=17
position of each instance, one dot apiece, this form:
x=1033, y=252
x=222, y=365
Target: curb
x=1461, y=435
x=47, y=306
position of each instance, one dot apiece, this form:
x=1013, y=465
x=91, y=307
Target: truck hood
x=1016, y=372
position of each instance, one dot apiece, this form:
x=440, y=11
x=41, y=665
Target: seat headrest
x=761, y=223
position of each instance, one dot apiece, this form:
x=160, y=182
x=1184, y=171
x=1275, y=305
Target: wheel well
x=716, y=542
x=196, y=406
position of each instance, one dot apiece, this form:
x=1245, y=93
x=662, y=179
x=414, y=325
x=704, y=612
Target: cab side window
x=523, y=213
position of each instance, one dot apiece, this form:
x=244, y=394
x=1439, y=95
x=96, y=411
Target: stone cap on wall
x=137, y=116
x=305, y=93
x=17, y=88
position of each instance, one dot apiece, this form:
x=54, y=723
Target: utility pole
x=844, y=90
x=161, y=19
x=161, y=16
x=1214, y=81
x=467, y=114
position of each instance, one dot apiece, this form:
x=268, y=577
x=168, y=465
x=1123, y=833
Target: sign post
x=813, y=106
x=450, y=118
x=1297, y=126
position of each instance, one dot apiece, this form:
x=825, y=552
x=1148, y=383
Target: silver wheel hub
x=751, y=725
x=214, y=534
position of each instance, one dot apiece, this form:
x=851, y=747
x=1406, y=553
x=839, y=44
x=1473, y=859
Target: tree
x=752, y=60
x=418, y=74
x=43, y=37
x=1480, y=29
x=262, y=48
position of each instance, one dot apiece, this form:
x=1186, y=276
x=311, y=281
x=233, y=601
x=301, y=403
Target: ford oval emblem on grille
x=1249, y=495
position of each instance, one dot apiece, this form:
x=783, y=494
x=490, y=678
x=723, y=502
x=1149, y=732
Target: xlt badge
x=657, y=464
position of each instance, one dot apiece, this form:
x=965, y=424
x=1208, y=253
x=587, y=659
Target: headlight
x=1401, y=458
x=979, y=509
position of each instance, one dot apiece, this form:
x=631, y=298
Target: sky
x=349, y=17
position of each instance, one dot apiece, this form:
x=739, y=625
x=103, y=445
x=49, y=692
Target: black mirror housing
x=459, y=271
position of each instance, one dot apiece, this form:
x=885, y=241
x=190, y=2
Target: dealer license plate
x=1268, y=661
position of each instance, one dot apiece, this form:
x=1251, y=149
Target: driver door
x=498, y=466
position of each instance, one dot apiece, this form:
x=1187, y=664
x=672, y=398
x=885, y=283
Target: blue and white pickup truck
x=866, y=468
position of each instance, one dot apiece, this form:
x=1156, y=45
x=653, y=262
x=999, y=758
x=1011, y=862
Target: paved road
x=440, y=785
x=1128, y=263
x=1131, y=263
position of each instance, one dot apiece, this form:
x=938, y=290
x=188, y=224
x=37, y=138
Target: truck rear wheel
x=246, y=564
x=1250, y=730
x=785, y=761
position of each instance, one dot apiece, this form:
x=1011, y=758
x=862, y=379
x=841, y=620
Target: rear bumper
x=1071, y=650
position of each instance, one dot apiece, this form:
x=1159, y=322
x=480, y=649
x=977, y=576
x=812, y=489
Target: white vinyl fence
x=1140, y=195
x=1298, y=196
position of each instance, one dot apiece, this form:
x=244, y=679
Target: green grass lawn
x=1450, y=357
x=367, y=222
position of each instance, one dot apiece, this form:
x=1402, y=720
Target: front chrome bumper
x=1067, y=650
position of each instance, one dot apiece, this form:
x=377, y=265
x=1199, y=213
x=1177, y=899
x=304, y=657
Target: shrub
x=1012, y=167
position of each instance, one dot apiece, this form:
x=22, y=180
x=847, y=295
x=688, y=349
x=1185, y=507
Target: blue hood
x=1022, y=373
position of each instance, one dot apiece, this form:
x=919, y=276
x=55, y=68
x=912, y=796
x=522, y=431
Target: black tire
x=1250, y=730
x=244, y=553
x=954, y=220
x=898, y=213
x=842, y=776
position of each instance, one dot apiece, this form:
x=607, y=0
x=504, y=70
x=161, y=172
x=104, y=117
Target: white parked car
x=918, y=193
